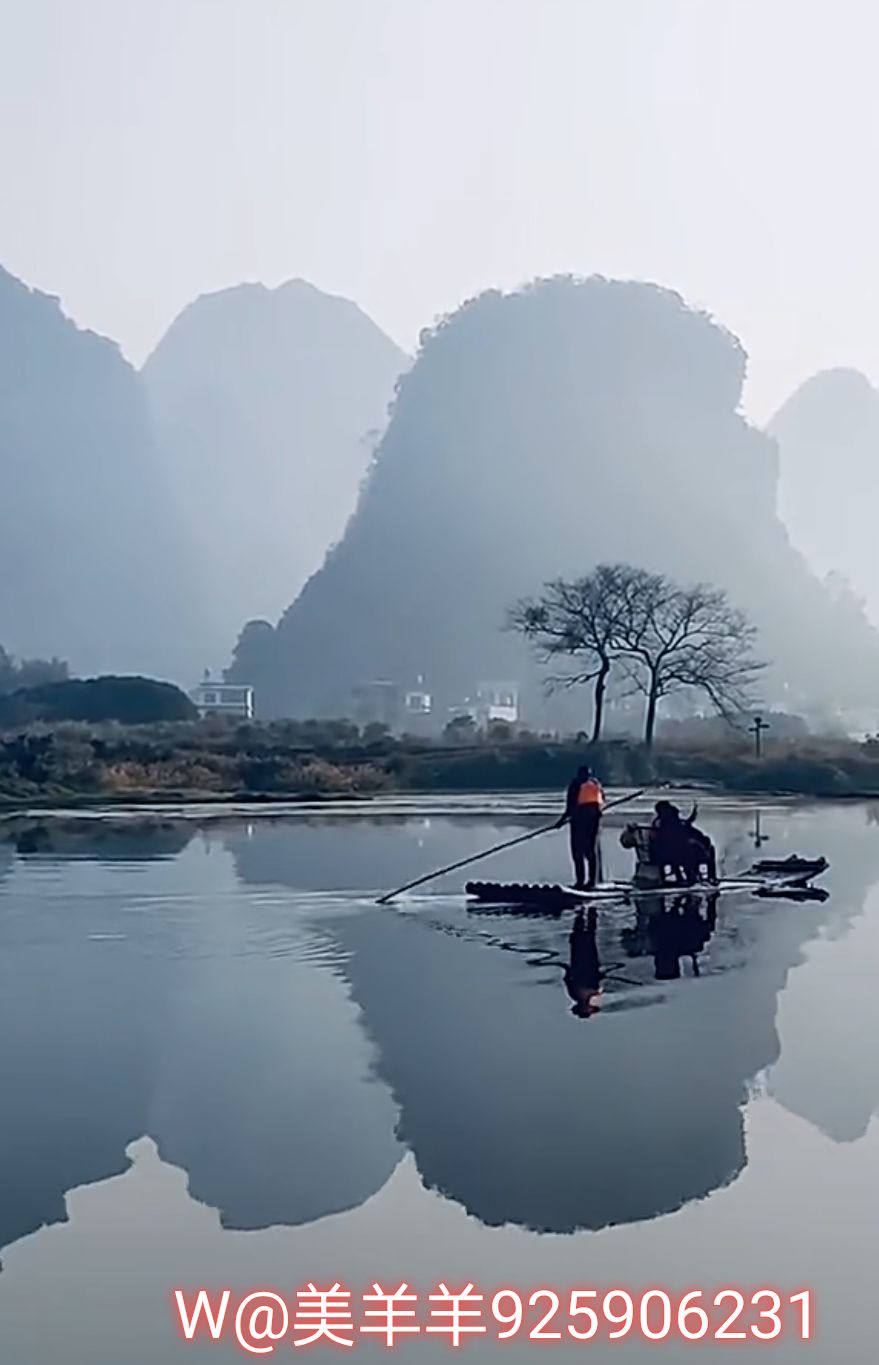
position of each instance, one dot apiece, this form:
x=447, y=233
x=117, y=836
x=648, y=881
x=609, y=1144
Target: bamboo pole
x=497, y=848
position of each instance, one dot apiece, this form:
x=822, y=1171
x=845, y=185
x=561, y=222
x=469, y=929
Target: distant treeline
x=16, y=674
x=72, y=761
x=129, y=700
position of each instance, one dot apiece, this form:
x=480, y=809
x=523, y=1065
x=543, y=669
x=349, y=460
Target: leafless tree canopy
x=660, y=636
x=579, y=622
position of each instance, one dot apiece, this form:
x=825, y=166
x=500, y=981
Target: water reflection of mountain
x=155, y=992
x=79, y=1039
x=828, y=1073
x=339, y=853
x=266, y=1094
x=142, y=997
x=524, y=1115
x=129, y=840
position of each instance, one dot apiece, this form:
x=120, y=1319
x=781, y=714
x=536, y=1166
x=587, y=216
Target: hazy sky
x=408, y=153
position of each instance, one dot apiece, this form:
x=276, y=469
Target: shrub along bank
x=178, y=760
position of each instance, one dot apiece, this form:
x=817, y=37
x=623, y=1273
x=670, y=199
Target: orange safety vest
x=590, y=793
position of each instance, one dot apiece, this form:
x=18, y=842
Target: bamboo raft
x=769, y=877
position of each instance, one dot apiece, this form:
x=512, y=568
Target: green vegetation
x=180, y=760
x=132, y=701
x=216, y=759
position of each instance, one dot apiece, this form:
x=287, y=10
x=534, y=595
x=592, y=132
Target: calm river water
x=222, y=1064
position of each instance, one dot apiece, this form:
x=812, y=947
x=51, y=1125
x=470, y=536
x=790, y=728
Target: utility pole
x=756, y=729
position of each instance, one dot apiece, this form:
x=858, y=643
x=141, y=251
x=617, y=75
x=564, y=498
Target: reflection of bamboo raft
x=770, y=877
x=792, y=868
x=553, y=898
x=520, y=894
x=567, y=897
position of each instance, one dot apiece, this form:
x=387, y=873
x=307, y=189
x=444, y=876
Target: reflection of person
x=583, y=972
x=680, y=931
x=669, y=928
x=583, y=806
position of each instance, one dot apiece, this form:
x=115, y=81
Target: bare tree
x=580, y=621
x=662, y=637
x=676, y=638
x=19, y=673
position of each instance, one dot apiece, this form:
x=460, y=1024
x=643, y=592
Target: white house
x=223, y=699
x=497, y=701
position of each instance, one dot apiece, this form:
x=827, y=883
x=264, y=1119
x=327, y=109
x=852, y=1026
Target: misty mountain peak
x=36, y=331
x=539, y=433
x=294, y=311
x=831, y=406
x=96, y=571
x=267, y=402
x=828, y=436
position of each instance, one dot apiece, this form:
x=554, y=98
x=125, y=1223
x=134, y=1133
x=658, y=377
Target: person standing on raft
x=583, y=806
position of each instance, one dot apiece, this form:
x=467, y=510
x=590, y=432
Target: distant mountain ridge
x=94, y=567
x=267, y=403
x=540, y=432
x=147, y=517
x=828, y=436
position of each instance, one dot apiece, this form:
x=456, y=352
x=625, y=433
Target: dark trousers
x=584, y=843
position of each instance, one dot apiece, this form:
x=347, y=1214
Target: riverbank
x=80, y=765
